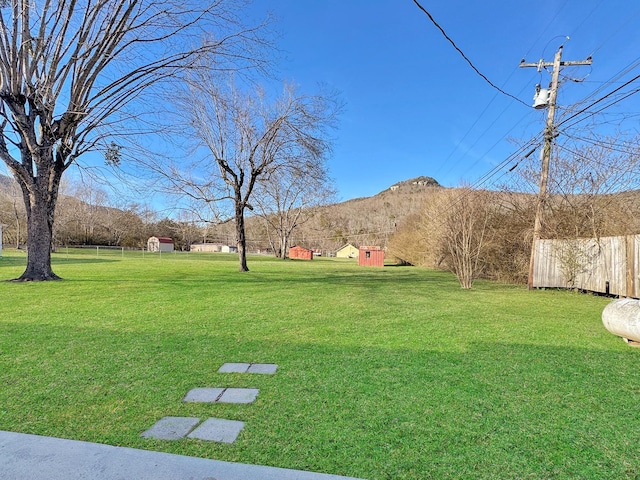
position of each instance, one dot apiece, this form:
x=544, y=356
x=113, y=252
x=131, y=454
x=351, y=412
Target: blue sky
x=415, y=107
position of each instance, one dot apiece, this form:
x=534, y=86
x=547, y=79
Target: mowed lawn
x=382, y=373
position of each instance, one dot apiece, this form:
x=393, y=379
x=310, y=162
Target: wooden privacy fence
x=606, y=265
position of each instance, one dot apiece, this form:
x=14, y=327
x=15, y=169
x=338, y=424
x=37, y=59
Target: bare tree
x=465, y=234
x=69, y=72
x=588, y=179
x=247, y=139
x=452, y=231
x=409, y=244
x=286, y=199
x=122, y=227
x=88, y=211
x=19, y=216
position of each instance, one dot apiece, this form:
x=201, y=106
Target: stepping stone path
x=212, y=429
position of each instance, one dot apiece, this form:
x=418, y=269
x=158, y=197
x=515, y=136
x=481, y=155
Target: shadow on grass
x=497, y=410
x=72, y=261
x=314, y=281
x=15, y=261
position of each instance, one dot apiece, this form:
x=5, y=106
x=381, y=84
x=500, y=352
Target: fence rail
x=606, y=265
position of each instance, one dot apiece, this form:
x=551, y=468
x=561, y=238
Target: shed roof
x=301, y=248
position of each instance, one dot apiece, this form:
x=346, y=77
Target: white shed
x=205, y=247
x=160, y=244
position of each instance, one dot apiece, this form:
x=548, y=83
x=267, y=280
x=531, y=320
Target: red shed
x=371, y=257
x=300, y=253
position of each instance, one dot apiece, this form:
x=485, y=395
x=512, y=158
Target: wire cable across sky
x=475, y=69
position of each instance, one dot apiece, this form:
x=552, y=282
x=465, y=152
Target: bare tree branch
x=71, y=71
x=248, y=140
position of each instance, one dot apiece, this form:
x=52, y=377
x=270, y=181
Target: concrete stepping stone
x=239, y=395
x=222, y=395
x=205, y=395
x=262, y=368
x=171, y=428
x=218, y=430
x=234, y=368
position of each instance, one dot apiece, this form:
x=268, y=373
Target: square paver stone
x=264, y=368
x=234, y=368
x=239, y=395
x=218, y=430
x=205, y=395
x=171, y=428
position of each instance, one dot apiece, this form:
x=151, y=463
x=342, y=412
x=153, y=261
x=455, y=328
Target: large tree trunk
x=284, y=241
x=40, y=201
x=242, y=238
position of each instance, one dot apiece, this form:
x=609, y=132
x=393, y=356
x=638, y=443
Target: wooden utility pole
x=549, y=135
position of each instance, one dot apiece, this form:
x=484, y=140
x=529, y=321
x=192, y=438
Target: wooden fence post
x=630, y=261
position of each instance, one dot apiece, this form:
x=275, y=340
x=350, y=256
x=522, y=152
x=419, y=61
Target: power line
x=513, y=127
x=613, y=80
x=486, y=108
x=629, y=18
x=484, y=77
x=600, y=143
x=530, y=147
x=584, y=21
x=604, y=97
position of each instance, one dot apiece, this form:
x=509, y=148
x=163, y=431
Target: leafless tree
x=409, y=244
x=69, y=74
x=587, y=188
x=247, y=138
x=286, y=199
x=19, y=216
x=465, y=234
x=453, y=231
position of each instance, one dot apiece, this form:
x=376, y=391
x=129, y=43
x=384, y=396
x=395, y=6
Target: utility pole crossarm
x=572, y=63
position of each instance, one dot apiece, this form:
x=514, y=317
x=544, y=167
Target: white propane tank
x=622, y=318
x=541, y=99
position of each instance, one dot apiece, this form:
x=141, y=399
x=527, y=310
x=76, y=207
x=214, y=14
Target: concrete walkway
x=32, y=457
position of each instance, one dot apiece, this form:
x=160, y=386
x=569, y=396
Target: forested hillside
x=417, y=221
x=85, y=216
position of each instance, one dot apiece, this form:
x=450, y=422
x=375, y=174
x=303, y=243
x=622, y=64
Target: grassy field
x=391, y=373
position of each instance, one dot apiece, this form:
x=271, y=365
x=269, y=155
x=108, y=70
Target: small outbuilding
x=205, y=247
x=300, y=253
x=160, y=244
x=348, y=251
x=213, y=247
x=371, y=257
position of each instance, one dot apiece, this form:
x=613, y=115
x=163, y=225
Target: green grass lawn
x=383, y=373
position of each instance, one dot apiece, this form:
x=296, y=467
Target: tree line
x=176, y=92
x=87, y=215
x=307, y=215
x=593, y=192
